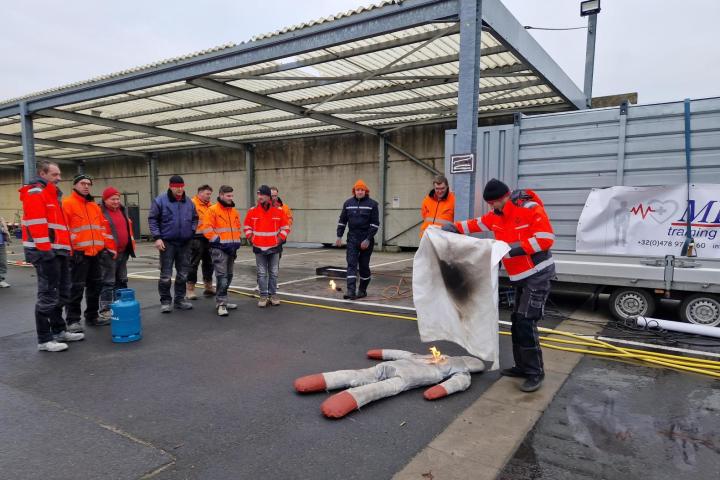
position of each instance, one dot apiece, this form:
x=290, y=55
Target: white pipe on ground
x=679, y=327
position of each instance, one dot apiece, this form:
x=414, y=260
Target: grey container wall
x=563, y=156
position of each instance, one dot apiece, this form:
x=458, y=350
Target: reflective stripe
x=363, y=278
x=230, y=241
x=530, y=204
x=481, y=225
x=29, y=244
x=57, y=246
x=42, y=240
x=207, y=230
x=34, y=221
x=522, y=226
x=341, y=224
x=464, y=226
x=224, y=229
x=86, y=227
x=547, y=235
x=540, y=266
x=365, y=208
x=373, y=225
x=351, y=276
x=534, y=243
x=57, y=226
x=90, y=243
x=112, y=251
x=284, y=233
x=35, y=190
x=352, y=207
x=266, y=234
x=284, y=228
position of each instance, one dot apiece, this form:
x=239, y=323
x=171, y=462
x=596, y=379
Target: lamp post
x=590, y=9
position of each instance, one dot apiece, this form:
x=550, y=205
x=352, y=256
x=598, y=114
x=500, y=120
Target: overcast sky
x=663, y=50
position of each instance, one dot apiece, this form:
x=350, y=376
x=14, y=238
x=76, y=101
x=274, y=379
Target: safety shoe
x=512, y=372
x=183, y=305
x=166, y=308
x=105, y=315
x=532, y=383
x=222, y=311
x=361, y=294
x=75, y=327
x=52, y=346
x=209, y=290
x=4, y=284
x=231, y=306
x=274, y=300
x=262, y=303
x=68, y=337
x=190, y=292
x=101, y=321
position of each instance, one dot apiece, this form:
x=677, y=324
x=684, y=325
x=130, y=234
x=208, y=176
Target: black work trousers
x=358, y=264
x=530, y=296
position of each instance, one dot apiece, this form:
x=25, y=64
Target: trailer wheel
x=701, y=309
x=626, y=303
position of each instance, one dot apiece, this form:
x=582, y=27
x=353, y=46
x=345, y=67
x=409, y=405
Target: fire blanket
x=455, y=289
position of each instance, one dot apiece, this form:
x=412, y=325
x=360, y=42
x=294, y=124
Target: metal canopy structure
x=379, y=67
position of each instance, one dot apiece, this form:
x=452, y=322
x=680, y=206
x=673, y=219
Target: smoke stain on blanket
x=456, y=281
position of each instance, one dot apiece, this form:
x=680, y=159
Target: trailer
x=564, y=156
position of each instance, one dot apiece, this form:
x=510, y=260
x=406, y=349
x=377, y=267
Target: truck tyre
x=626, y=303
x=701, y=309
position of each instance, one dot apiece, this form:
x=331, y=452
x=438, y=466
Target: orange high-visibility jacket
x=264, y=228
x=43, y=223
x=221, y=225
x=87, y=225
x=436, y=211
x=202, y=209
x=523, y=223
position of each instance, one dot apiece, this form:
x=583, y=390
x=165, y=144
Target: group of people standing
x=80, y=248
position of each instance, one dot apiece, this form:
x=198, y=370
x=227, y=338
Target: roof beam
x=300, y=111
x=17, y=156
x=381, y=20
x=76, y=146
x=120, y=125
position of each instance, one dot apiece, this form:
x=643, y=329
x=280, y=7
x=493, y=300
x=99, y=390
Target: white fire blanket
x=650, y=220
x=455, y=289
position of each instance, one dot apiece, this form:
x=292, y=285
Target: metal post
x=250, y=173
x=153, y=176
x=622, y=132
x=28, y=143
x=382, y=177
x=467, y=113
x=590, y=59
x=80, y=168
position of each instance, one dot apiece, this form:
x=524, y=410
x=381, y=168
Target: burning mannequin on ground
x=405, y=371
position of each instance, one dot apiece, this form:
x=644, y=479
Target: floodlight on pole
x=590, y=9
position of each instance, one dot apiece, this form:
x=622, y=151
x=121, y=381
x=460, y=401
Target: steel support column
x=590, y=59
x=382, y=178
x=153, y=176
x=80, y=168
x=250, y=175
x=28, y=143
x=467, y=113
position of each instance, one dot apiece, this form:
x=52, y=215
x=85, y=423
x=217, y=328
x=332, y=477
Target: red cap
x=109, y=192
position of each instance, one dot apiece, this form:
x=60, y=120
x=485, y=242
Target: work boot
x=209, y=289
x=222, y=311
x=262, y=303
x=513, y=372
x=361, y=294
x=532, y=383
x=101, y=321
x=166, y=308
x=350, y=295
x=105, y=317
x=362, y=289
x=75, y=327
x=68, y=337
x=190, y=291
x=52, y=346
x=274, y=300
x=183, y=305
x=231, y=306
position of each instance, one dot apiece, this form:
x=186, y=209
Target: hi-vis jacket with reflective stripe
x=221, y=225
x=87, y=225
x=523, y=223
x=437, y=211
x=43, y=223
x=202, y=209
x=265, y=227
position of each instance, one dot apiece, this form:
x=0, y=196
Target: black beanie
x=264, y=190
x=495, y=190
x=176, y=179
x=82, y=176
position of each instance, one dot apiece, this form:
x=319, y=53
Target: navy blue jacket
x=361, y=217
x=171, y=219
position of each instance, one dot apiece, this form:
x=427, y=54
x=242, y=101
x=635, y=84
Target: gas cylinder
x=125, y=324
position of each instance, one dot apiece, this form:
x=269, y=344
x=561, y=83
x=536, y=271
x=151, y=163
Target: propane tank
x=126, y=325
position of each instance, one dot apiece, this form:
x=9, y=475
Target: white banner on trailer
x=650, y=220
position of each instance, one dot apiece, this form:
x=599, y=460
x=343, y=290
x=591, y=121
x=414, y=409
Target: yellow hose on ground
x=678, y=362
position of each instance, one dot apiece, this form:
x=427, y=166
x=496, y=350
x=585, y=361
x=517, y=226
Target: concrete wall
x=314, y=175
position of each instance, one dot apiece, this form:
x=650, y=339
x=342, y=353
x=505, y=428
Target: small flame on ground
x=332, y=284
x=437, y=356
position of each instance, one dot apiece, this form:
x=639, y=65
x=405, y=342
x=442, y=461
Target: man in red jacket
x=519, y=219
x=46, y=241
